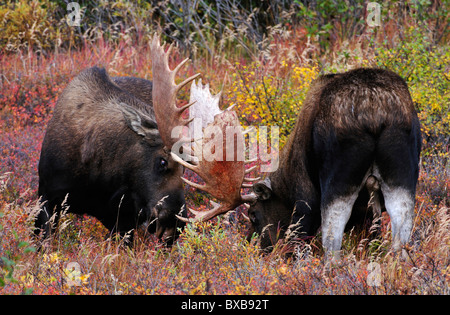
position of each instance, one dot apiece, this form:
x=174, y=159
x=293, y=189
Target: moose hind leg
x=335, y=216
x=397, y=161
x=400, y=207
x=344, y=169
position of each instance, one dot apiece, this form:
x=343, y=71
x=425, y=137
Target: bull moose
x=357, y=139
x=109, y=151
x=106, y=152
x=357, y=132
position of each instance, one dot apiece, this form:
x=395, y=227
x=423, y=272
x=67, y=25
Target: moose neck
x=293, y=180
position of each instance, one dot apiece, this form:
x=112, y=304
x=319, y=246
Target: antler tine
x=201, y=216
x=180, y=65
x=218, y=209
x=251, y=169
x=185, y=82
x=190, y=166
x=249, y=179
x=165, y=90
x=223, y=178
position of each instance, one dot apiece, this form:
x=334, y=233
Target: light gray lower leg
x=399, y=204
x=335, y=216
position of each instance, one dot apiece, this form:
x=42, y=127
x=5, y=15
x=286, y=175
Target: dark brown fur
x=138, y=87
x=348, y=122
x=103, y=151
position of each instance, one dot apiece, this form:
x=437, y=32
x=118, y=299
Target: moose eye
x=163, y=163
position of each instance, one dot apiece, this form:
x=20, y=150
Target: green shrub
x=425, y=67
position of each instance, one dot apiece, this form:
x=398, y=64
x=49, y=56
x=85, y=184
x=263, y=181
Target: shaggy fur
x=102, y=153
x=356, y=131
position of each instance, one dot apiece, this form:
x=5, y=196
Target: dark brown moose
x=357, y=136
x=357, y=140
x=106, y=151
x=112, y=151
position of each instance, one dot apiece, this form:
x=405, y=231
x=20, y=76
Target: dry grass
x=214, y=257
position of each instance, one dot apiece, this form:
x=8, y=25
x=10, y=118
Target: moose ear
x=139, y=123
x=263, y=189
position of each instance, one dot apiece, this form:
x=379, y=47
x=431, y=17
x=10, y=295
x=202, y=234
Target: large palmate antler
x=224, y=175
x=164, y=94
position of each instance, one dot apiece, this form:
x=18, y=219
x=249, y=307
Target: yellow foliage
x=31, y=24
x=271, y=97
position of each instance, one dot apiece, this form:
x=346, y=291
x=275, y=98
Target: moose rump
x=365, y=130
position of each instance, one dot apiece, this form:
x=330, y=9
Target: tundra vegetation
x=263, y=59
